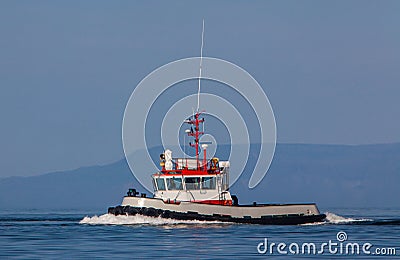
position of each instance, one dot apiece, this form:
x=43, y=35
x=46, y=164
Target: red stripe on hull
x=215, y=202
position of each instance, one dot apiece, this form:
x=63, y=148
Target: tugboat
x=198, y=189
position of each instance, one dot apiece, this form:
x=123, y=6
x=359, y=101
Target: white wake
x=110, y=219
x=336, y=219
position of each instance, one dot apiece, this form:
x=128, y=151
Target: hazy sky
x=331, y=70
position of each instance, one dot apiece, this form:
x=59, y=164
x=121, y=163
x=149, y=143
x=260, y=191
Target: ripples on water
x=74, y=235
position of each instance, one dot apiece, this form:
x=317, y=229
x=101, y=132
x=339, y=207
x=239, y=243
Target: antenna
x=201, y=61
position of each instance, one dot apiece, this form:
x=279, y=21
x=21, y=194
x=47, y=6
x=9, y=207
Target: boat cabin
x=181, y=180
x=193, y=179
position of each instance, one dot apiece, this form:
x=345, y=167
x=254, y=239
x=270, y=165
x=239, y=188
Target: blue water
x=68, y=234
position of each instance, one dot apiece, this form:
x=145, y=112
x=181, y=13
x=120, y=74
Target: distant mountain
x=331, y=175
x=84, y=188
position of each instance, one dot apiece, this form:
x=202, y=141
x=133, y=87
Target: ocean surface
x=74, y=234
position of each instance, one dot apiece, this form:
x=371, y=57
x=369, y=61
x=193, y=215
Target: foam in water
x=110, y=219
x=336, y=219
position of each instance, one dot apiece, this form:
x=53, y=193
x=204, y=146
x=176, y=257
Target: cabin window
x=174, y=183
x=160, y=183
x=208, y=183
x=192, y=183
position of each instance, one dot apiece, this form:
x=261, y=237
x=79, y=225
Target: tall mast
x=201, y=61
x=196, y=133
x=196, y=120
